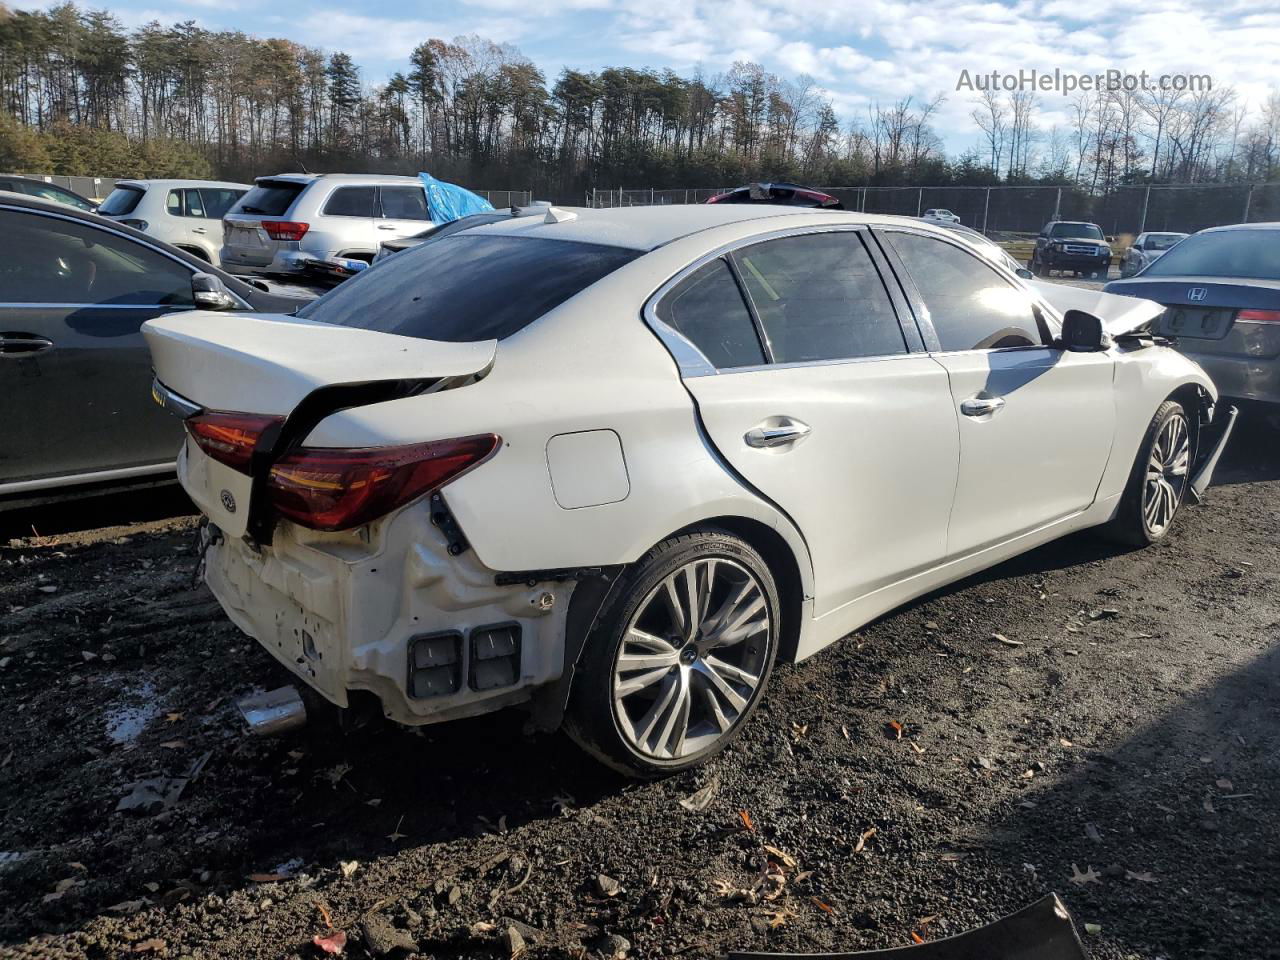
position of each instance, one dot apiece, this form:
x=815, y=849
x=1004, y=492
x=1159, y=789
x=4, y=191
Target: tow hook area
x=273, y=712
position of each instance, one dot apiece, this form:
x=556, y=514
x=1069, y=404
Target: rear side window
x=465, y=287
x=404, y=203
x=270, y=198
x=120, y=201
x=820, y=297
x=350, y=202
x=185, y=203
x=707, y=308
x=970, y=306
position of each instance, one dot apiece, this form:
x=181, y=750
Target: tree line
x=83, y=95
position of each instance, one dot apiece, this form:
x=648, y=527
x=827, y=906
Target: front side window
x=707, y=308
x=820, y=297
x=970, y=305
x=350, y=202
x=467, y=288
x=50, y=260
x=404, y=203
x=218, y=200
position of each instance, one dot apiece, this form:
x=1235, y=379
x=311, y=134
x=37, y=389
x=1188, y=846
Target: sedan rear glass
x=120, y=201
x=467, y=288
x=1231, y=253
x=270, y=198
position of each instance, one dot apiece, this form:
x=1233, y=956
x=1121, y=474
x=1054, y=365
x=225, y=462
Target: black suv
x=1071, y=246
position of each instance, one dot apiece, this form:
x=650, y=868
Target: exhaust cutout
x=273, y=712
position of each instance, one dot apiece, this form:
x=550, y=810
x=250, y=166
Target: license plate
x=1195, y=322
x=247, y=236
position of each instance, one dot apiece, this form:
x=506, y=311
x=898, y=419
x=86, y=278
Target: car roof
x=1263, y=225
x=646, y=228
x=373, y=178
x=182, y=183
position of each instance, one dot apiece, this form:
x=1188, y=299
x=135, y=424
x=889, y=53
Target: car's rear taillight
x=334, y=488
x=285, y=229
x=1259, y=316
x=230, y=438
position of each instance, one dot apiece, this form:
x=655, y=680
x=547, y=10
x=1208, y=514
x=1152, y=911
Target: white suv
x=185, y=213
x=290, y=218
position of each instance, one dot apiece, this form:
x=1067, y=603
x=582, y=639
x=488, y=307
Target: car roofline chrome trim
x=73, y=479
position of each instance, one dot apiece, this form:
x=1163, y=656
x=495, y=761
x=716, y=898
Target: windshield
x=1231, y=253
x=466, y=288
x=270, y=198
x=1161, y=241
x=121, y=200
x=1075, y=231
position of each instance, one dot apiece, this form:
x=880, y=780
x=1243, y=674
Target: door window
x=350, y=202
x=404, y=203
x=185, y=203
x=708, y=309
x=50, y=260
x=970, y=305
x=820, y=297
x=218, y=200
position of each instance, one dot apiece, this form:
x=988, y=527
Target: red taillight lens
x=230, y=438
x=285, y=229
x=331, y=488
x=717, y=198
x=1259, y=316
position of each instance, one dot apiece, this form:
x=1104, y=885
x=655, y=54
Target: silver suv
x=291, y=218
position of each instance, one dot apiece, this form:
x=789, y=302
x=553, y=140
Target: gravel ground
x=1124, y=754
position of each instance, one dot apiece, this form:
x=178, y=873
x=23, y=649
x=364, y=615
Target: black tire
x=592, y=717
x=1130, y=525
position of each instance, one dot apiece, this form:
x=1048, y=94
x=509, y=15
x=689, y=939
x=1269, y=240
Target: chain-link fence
x=996, y=210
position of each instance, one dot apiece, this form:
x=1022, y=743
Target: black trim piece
x=766, y=348
x=531, y=578
x=443, y=518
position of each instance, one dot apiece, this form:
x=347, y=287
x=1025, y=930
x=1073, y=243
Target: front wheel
x=683, y=653
x=1158, y=481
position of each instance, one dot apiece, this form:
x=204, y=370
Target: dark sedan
x=74, y=370
x=1221, y=291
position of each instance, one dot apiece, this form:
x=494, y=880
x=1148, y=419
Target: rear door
x=1036, y=423
x=347, y=220
x=817, y=395
x=402, y=211
x=74, y=369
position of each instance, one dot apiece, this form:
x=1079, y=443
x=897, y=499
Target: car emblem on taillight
x=1196, y=294
x=228, y=501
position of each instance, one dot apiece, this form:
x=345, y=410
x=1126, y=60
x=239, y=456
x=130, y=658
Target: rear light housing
x=230, y=438
x=335, y=488
x=1259, y=316
x=285, y=229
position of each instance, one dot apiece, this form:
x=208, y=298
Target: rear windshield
x=1231, y=253
x=120, y=201
x=1076, y=231
x=1161, y=241
x=270, y=198
x=466, y=288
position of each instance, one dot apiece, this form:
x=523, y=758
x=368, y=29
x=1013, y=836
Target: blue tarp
x=447, y=202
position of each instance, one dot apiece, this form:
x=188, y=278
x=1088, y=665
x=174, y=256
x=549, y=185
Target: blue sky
x=857, y=51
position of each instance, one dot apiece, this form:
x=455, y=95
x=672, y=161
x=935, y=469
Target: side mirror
x=1082, y=332
x=1026, y=274
x=210, y=293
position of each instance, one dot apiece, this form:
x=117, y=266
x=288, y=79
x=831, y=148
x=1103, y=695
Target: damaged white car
x=614, y=464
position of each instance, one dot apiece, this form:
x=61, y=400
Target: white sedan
x=614, y=464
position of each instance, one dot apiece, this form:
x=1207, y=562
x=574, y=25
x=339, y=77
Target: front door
x=813, y=396
x=75, y=373
x=1036, y=422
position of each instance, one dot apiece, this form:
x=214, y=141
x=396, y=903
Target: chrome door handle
x=981, y=406
x=776, y=432
x=385, y=226
x=18, y=345
x=197, y=230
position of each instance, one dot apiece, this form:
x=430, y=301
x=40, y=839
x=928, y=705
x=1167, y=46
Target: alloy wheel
x=692, y=659
x=1166, y=475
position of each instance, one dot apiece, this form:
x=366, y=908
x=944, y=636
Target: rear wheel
x=1158, y=482
x=683, y=653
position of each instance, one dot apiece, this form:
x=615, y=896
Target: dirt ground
x=1125, y=753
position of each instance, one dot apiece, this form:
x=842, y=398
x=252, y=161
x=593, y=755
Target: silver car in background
x=185, y=213
x=291, y=218
x=1148, y=248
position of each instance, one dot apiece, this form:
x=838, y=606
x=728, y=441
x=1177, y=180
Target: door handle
x=776, y=432
x=385, y=226
x=197, y=230
x=981, y=406
x=19, y=345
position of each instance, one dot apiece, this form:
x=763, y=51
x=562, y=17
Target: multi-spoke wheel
x=1158, y=481
x=683, y=654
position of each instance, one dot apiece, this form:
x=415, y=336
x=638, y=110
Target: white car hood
x=1119, y=314
x=267, y=363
